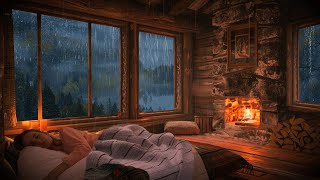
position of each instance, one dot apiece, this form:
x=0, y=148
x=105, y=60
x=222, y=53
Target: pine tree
x=114, y=109
x=50, y=108
x=109, y=107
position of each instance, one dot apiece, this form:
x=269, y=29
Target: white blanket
x=162, y=156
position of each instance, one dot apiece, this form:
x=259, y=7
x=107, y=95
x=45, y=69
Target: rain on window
x=64, y=64
x=156, y=72
x=309, y=64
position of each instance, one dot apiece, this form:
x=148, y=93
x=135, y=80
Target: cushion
x=36, y=163
x=182, y=127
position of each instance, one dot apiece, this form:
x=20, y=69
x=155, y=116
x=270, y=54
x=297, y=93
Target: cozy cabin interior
x=245, y=72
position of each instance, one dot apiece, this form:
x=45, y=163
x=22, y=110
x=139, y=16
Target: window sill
x=303, y=108
x=96, y=124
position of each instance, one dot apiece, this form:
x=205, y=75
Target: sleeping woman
x=152, y=156
x=77, y=144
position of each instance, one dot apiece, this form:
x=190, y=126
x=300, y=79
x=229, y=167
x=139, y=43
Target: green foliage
x=71, y=87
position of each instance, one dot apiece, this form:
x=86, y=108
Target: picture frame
x=242, y=46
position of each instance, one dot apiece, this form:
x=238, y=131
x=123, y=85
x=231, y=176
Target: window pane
x=309, y=64
x=105, y=45
x=25, y=59
x=64, y=55
x=156, y=59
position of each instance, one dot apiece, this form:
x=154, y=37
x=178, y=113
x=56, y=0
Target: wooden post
x=187, y=75
x=204, y=123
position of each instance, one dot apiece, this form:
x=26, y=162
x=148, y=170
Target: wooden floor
x=270, y=162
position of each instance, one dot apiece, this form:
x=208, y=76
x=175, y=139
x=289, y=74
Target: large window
x=156, y=70
x=65, y=71
x=304, y=66
x=74, y=68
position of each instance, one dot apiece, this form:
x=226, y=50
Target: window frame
x=123, y=64
x=128, y=48
x=177, y=74
x=293, y=66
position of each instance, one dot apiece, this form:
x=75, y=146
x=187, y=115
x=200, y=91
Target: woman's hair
x=18, y=140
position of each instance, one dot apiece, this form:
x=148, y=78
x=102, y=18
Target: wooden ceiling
x=179, y=7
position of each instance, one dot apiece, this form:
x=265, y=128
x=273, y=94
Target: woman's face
x=38, y=139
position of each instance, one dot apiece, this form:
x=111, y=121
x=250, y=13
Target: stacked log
x=296, y=134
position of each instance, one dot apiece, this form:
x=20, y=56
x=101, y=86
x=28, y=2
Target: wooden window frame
x=293, y=102
x=123, y=64
x=128, y=51
x=178, y=78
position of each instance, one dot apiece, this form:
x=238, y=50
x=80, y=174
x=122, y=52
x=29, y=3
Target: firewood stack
x=297, y=134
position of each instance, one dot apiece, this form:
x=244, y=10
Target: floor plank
x=274, y=162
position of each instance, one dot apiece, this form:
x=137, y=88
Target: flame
x=247, y=114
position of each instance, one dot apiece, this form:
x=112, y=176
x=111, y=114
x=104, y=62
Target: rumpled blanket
x=162, y=156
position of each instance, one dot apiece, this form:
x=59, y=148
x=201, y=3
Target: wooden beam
x=124, y=10
x=179, y=7
x=187, y=74
x=197, y=4
x=207, y=8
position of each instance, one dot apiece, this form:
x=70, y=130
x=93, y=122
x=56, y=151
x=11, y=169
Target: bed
x=209, y=162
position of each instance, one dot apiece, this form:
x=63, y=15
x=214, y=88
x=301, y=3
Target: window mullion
x=89, y=73
x=39, y=67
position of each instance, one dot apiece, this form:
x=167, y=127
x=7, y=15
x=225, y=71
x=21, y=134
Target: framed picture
x=242, y=46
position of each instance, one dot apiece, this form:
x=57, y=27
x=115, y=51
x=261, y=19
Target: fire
x=242, y=110
x=247, y=114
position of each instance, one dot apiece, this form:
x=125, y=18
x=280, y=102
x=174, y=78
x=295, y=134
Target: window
x=156, y=70
x=72, y=67
x=304, y=82
x=105, y=70
x=25, y=58
x=64, y=61
x=65, y=73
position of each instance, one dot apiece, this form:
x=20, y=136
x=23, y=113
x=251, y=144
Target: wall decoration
x=242, y=46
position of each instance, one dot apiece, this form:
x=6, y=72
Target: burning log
x=296, y=134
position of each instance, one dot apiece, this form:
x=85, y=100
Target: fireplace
x=242, y=111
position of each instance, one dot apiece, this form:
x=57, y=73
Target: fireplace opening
x=242, y=111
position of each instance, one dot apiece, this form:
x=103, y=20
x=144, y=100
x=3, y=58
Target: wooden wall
x=1, y=86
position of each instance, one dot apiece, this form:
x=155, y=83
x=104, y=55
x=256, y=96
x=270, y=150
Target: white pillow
x=35, y=163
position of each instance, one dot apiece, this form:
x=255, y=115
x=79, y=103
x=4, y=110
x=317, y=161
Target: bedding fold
x=162, y=156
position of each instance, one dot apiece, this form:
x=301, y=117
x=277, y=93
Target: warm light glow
x=26, y=124
x=34, y=124
x=247, y=114
x=43, y=125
